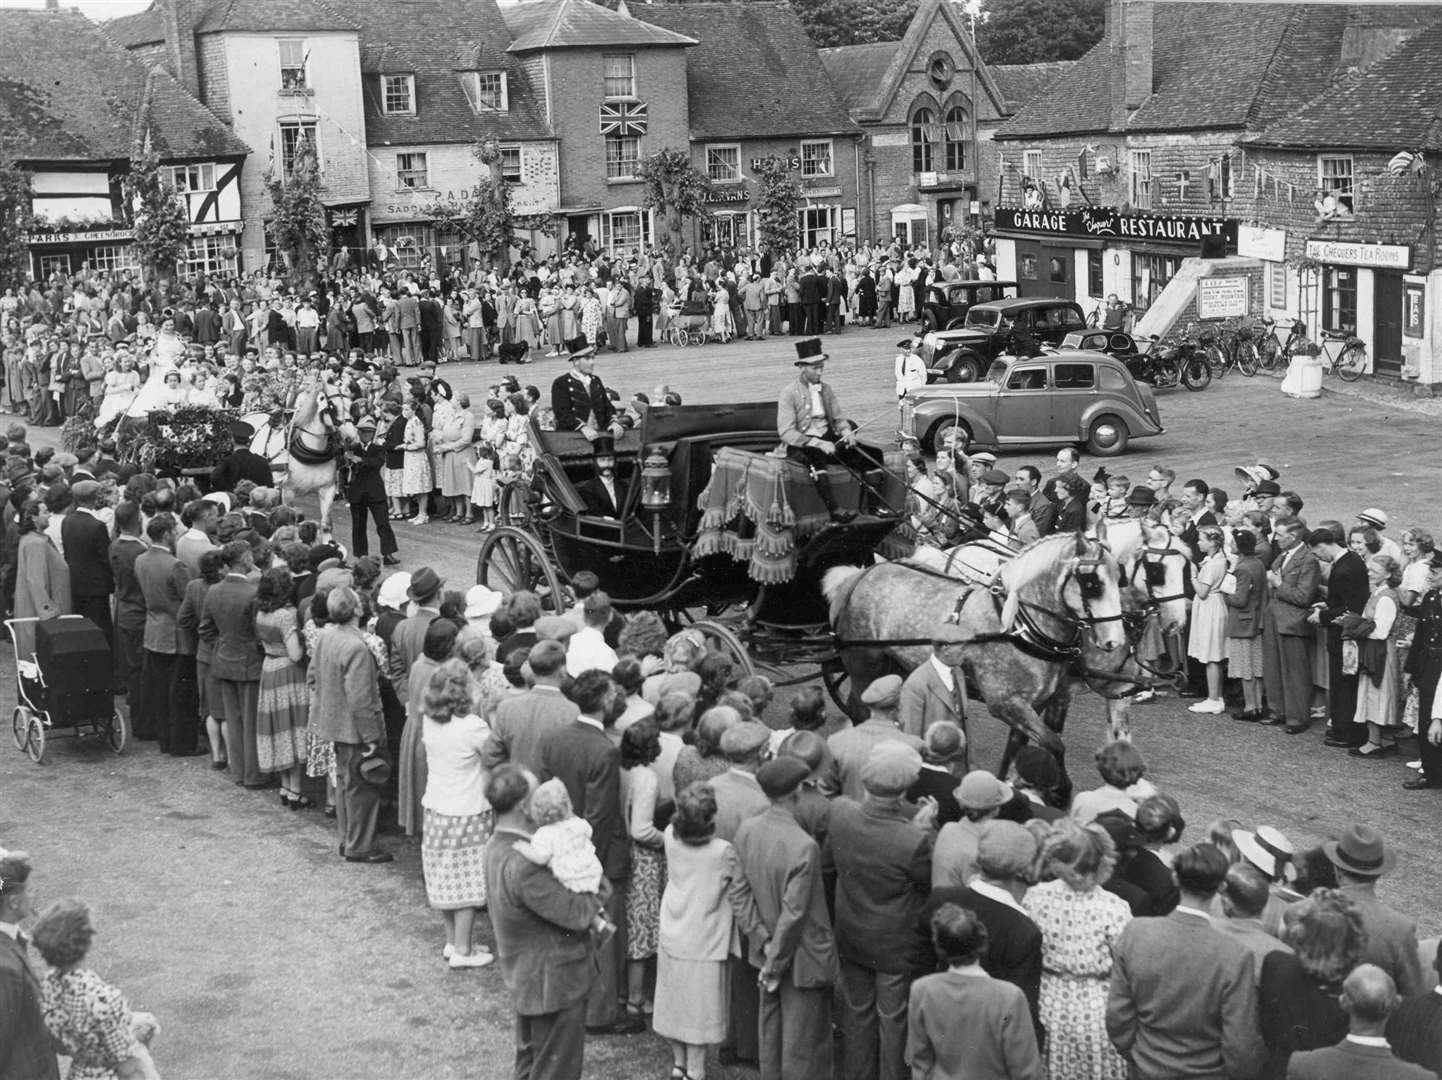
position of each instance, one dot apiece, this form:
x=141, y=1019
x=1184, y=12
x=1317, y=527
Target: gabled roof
x=857, y=70
x=143, y=28
x=438, y=41
x=580, y=24
x=1277, y=57
x=287, y=16
x=1396, y=104
x=70, y=93
x=763, y=48
x=1021, y=84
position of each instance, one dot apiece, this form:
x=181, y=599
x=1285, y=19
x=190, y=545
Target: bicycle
x=1271, y=348
x=1236, y=348
x=1098, y=315
x=1350, y=361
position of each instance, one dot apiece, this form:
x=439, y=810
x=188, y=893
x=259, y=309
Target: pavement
x=264, y=955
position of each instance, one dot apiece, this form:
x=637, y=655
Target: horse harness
x=304, y=454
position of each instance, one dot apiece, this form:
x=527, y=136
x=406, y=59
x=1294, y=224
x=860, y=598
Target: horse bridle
x=1154, y=558
x=328, y=412
x=1087, y=574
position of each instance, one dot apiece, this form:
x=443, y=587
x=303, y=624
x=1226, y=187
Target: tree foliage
x=297, y=226
x=854, y=22
x=159, y=215
x=676, y=190
x=486, y=218
x=14, y=214
x=1034, y=31
x=778, y=201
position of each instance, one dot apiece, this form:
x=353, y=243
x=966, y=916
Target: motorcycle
x=1159, y=364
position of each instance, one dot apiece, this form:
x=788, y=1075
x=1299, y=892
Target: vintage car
x=965, y=353
x=947, y=302
x=1066, y=396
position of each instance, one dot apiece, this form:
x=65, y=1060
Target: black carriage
x=715, y=528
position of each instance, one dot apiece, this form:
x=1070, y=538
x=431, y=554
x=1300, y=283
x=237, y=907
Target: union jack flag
x=623, y=118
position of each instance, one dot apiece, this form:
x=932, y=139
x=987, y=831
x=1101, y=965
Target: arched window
x=954, y=137
x=923, y=140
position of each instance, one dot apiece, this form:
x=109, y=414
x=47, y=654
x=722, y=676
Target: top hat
x=603, y=446
x=808, y=352
x=578, y=347
x=1361, y=851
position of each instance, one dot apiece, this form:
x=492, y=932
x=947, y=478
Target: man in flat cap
x=851, y=747
x=366, y=493
x=797, y=954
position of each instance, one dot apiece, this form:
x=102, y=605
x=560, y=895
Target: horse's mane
x=1035, y=559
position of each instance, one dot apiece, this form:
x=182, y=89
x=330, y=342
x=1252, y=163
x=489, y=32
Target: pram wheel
x=20, y=726
x=35, y=743
x=679, y=337
x=116, y=733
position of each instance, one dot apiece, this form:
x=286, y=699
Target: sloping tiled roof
x=754, y=73
x=1394, y=105
x=856, y=70
x=143, y=28
x=1227, y=66
x=580, y=24
x=288, y=16
x=1021, y=84
x=70, y=93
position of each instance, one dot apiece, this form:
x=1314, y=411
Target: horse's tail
x=836, y=586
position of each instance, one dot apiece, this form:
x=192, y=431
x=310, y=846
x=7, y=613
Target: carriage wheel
x=20, y=726
x=724, y=640
x=35, y=740
x=514, y=507
x=116, y=733
x=512, y=559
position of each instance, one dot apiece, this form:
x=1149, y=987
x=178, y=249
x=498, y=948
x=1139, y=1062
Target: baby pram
x=66, y=686
x=691, y=325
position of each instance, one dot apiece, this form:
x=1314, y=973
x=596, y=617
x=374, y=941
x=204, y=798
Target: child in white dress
x=483, y=484
x=562, y=842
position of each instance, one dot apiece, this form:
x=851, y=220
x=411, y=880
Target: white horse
x=304, y=454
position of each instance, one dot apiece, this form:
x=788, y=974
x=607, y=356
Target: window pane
x=723, y=164
x=625, y=229
x=1074, y=376
x=956, y=132
x=1277, y=285
x=115, y=257
x=623, y=155
x=1031, y=163
x=511, y=164
x=292, y=65
x=922, y=124
x=490, y=90
x=397, y=93
x=1336, y=180
x=411, y=170
x=290, y=138
x=816, y=158
x=619, y=74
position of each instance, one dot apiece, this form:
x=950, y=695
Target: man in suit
x=943, y=758
x=1415, y=1027
x=409, y=637
x=797, y=952
x=618, y=315
x=27, y=1051
x=162, y=579
x=367, y=494
x=408, y=320
x=1361, y=857
x=1041, y=508
x=851, y=747
x=810, y=288
x=124, y=550
x=1286, y=634
x=1005, y=855
x=227, y=623
x=87, y=552
x=933, y=692
x=1347, y=592
x=1183, y=998
x=600, y=492
x=579, y=398
x=645, y=308
x=583, y=757
x=523, y=721
x=1369, y=997
x=1244, y=895
x=432, y=326
x=812, y=427
x=390, y=329
x=835, y=298
x=546, y=955
x=234, y=327
x=198, y=518
x=207, y=327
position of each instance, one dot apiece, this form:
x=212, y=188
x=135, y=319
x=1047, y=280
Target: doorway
x=1387, y=324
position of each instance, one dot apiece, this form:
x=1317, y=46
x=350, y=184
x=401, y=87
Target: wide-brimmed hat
x=482, y=602
x=808, y=352
x=980, y=790
x=1374, y=517
x=1361, y=851
x=1267, y=489
x=394, y=590
x=1266, y=849
x=424, y=582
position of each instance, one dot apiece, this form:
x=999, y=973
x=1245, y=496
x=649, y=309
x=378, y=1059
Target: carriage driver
x=241, y=464
x=809, y=420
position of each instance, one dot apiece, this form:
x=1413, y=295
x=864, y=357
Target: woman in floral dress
x=282, y=716
x=590, y=315
x=640, y=746
x=416, y=483
x=1079, y=922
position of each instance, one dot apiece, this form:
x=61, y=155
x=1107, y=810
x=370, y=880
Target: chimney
x=1129, y=33
x=179, y=19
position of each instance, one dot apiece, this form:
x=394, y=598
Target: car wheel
x=1108, y=436
x=965, y=367
x=937, y=436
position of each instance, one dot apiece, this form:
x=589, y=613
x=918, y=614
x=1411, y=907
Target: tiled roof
x=763, y=48
x=1396, y=104
x=1229, y=66
x=437, y=41
x=143, y=28
x=1021, y=84
x=289, y=16
x=580, y=24
x=856, y=70
x=70, y=93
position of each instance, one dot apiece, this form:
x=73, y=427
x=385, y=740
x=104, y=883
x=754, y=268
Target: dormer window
x=398, y=95
x=487, y=91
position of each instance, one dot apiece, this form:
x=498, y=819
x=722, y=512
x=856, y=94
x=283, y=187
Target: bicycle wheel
x=1267, y=353
x=1352, y=364
x=1246, y=357
x=1216, y=359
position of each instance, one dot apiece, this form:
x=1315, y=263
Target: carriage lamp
x=656, y=481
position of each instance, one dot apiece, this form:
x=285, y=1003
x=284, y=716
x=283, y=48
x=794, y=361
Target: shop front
x=730, y=220
x=213, y=249
x=1367, y=290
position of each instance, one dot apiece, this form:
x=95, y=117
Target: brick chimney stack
x=1129, y=34
x=179, y=19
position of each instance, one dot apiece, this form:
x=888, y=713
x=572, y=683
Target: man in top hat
x=367, y=493
x=851, y=747
x=795, y=950
x=241, y=464
x=579, y=398
x=809, y=421
x=1360, y=857
x=936, y=690
x=602, y=497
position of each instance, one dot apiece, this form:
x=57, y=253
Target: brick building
x=71, y=104
x=756, y=89
x=612, y=90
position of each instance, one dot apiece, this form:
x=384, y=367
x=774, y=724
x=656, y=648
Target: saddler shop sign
x=1105, y=223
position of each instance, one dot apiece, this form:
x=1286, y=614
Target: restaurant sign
x=1106, y=223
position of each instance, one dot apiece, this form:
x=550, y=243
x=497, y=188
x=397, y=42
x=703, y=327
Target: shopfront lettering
x=734, y=193
x=1379, y=256
x=1092, y=221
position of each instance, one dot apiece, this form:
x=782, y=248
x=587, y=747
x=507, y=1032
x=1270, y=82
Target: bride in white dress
x=164, y=360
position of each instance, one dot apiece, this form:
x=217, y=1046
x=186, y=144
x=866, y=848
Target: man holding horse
x=367, y=493
x=809, y=421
